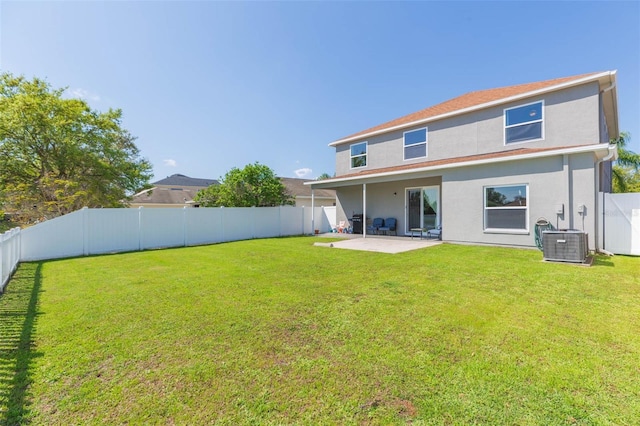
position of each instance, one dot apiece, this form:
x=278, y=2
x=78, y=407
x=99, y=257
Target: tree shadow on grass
x=18, y=314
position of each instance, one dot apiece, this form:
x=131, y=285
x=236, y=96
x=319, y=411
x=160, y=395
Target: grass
x=278, y=331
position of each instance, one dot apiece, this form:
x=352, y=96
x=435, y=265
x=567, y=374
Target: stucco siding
x=317, y=202
x=551, y=181
x=571, y=117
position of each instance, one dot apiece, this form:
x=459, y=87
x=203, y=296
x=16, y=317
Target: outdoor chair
x=377, y=223
x=344, y=227
x=389, y=226
x=435, y=233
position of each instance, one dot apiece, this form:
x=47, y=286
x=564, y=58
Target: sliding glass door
x=423, y=208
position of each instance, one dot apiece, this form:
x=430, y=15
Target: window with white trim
x=358, y=155
x=506, y=208
x=415, y=144
x=524, y=123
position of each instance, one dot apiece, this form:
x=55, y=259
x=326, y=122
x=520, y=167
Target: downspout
x=613, y=149
x=568, y=214
x=611, y=86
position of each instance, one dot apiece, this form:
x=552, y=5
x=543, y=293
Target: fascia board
x=477, y=107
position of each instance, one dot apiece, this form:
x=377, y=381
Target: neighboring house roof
x=297, y=188
x=472, y=160
x=158, y=195
x=174, y=189
x=476, y=100
x=179, y=180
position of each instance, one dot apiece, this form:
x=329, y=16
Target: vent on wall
x=565, y=246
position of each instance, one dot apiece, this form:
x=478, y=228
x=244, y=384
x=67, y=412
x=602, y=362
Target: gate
x=620, y=218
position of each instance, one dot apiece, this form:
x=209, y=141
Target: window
x=358, y=155
x=506, y=208
x=415, y=144
x=523, y=123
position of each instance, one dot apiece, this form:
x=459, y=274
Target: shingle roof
x=182, y=180
x=164, y=196
x=468, y=100
x=297, y=188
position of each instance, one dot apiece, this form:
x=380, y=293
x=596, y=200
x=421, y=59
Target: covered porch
x=413, y=201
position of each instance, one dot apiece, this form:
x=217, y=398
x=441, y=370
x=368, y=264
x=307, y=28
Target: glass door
x=422, y=207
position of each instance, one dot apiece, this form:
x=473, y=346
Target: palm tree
x=627, y=160
x=325, y=176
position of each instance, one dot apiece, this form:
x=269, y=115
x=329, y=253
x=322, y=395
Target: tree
x=627, y=165
x=254, y=185
x=495, y=198
x=325, y=176
x=58, y=155
x=628, y=177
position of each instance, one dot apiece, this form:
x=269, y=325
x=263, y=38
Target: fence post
x=253, y=222
x=9, y=239
x=184, y=226
x=13, y=243
x=85, y=231
x=9, y=255
x=18, y=247
x=1, y=263
x=140, y=239
x=222, y=224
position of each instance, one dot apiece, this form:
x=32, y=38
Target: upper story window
x=523, y=123
x=358, y=155
x=506, y=208
x=415, y=144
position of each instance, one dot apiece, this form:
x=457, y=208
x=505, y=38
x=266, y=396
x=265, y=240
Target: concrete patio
x=377, y=243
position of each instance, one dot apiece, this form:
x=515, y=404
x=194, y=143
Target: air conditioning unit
x=565, y=246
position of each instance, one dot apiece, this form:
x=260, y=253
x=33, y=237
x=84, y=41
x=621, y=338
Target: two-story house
x=487, y=165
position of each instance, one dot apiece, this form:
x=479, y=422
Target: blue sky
x=207, y=86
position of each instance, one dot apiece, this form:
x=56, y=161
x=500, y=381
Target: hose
x=542, y=224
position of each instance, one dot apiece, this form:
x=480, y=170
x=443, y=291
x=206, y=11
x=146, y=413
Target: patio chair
x=377, y=223
x=435, y=233
x=389, y=226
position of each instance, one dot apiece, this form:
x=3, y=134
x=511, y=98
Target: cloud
x=305, y=171
x=84, y=94
x=170, y=163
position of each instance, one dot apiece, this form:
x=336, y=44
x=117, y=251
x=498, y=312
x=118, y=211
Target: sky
x=207, y=86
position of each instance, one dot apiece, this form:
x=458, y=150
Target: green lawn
x=278, y=331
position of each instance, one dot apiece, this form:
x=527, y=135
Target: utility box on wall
x=565, y=246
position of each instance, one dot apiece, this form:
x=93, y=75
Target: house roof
x=160, y=195
x=474, y=101
x=297, y=188
x=174, y=189
x=179, y=180
x=466, y=161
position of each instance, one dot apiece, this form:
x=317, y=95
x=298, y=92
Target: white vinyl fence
x=9, y=255
x=97, y=231
x=620, y=223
